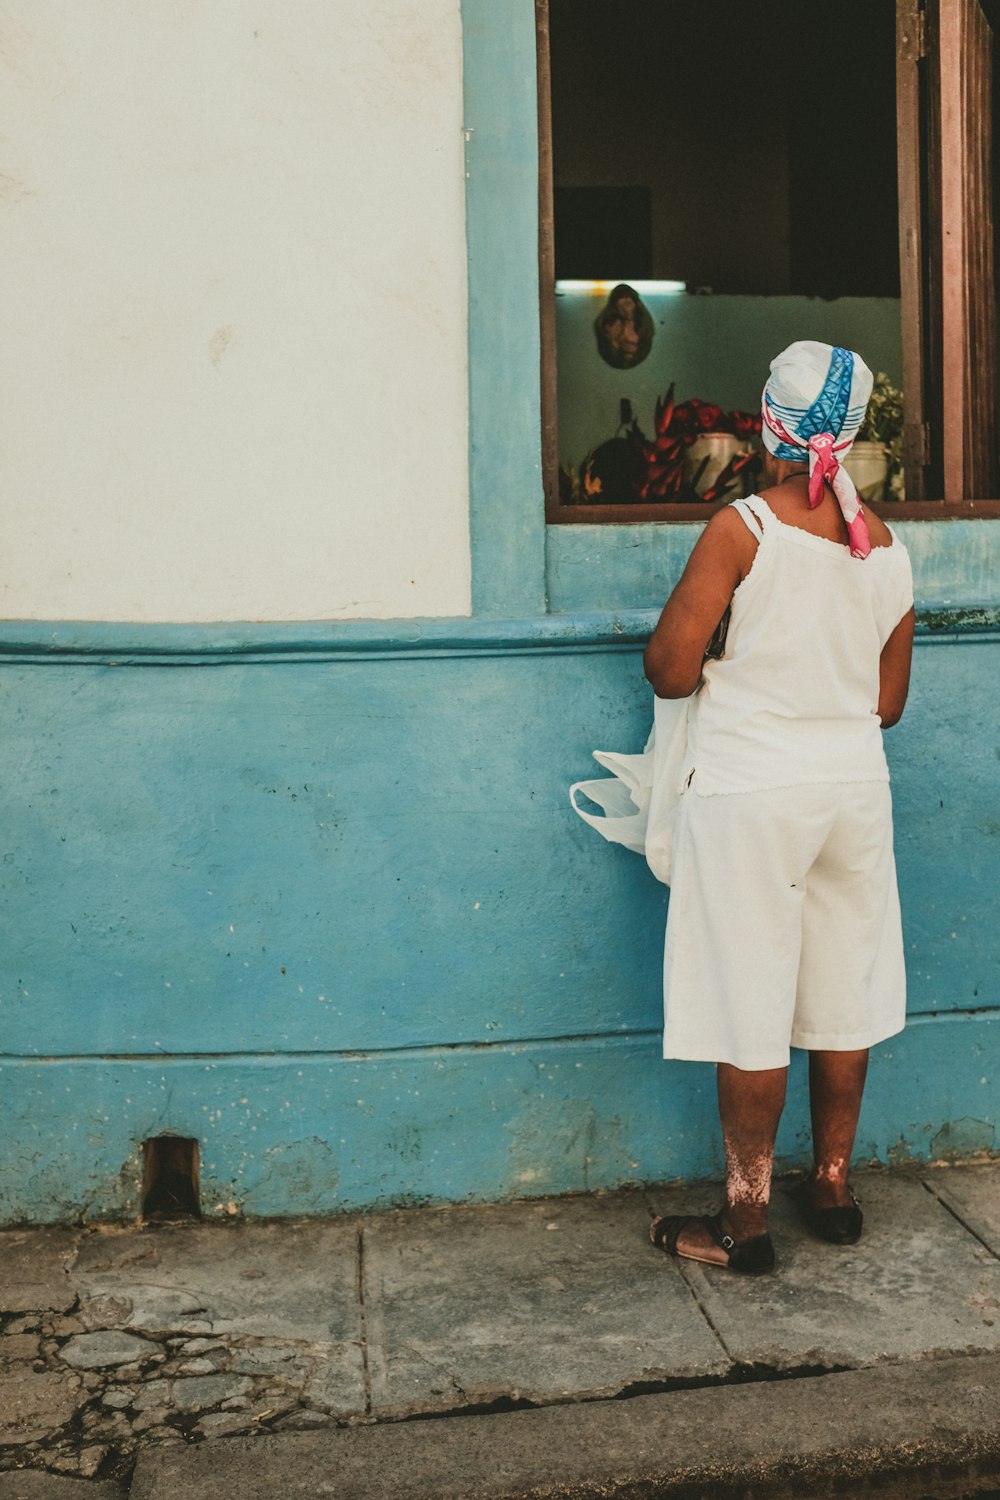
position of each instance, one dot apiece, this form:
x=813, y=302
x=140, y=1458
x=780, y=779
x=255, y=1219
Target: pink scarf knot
x=825, y=469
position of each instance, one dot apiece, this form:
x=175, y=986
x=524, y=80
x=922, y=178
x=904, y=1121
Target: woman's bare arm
x=894, y=671
x=722, y=557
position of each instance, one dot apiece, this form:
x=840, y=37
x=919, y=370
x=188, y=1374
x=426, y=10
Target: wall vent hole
x=170, y=1188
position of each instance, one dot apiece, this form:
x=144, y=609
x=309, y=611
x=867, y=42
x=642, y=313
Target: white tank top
x=794, y=700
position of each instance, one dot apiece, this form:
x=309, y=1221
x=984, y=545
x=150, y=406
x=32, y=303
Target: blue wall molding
x=506, y=520
x=538, y=1046
x=121, y=644
x=30, y=642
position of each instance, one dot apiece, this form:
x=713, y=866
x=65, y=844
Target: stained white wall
x=233, y=353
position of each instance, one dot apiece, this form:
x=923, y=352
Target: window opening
x=704, y=212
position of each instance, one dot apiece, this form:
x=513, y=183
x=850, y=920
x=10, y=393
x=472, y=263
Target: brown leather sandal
x=750, y=1257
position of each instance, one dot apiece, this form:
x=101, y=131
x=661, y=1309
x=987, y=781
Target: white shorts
x=783, y=927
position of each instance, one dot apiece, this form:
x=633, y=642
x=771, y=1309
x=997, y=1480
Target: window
x=718, y=179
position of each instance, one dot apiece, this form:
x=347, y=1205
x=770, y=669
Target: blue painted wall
x=315, y=896
x=335, y=918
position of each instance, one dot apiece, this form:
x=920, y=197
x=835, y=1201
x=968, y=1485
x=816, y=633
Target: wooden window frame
x=945, y=240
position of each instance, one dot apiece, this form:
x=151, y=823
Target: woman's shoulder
x=878, y=532
x=733, y=529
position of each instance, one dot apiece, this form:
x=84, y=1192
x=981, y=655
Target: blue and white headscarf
x=813, y=404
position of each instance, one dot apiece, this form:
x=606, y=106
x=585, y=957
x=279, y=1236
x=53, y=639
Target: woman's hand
x=722, y=557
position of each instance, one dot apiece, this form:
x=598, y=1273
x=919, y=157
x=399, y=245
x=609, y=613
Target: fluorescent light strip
x=603, y=288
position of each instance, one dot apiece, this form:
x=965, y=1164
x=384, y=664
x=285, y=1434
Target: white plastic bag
x=640, y=797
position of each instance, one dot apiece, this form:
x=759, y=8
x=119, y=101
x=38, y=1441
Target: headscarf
x=813, y=404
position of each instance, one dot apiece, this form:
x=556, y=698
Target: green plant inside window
x=884, y=424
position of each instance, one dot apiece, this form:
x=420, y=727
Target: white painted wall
x=233, y=358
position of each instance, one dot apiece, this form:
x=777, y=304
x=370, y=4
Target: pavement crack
x=706, y=1314
x=946, y=1204
x=694, y=1294
x=366, y=1374
x=742, y=1372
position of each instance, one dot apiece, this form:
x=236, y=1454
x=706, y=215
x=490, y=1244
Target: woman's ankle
x=828, y=1184
x=745, y=1221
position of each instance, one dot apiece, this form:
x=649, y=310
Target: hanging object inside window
x=624, y=328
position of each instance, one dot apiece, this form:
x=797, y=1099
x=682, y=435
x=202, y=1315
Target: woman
x=783, y=927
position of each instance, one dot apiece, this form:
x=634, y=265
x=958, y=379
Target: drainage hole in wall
x=170, y=1180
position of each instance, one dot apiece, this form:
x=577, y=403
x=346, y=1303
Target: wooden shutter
x=547, y=265
x=968, y=342
x=914, y=249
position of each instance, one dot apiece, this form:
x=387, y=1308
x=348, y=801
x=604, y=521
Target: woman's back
x=795, y=698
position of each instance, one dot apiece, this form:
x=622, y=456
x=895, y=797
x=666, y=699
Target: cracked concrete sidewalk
x=568, y=1356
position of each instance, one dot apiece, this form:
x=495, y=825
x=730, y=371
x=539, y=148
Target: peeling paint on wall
x=963, y=1140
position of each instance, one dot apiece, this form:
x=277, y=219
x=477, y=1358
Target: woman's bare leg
x=750, y=1105
x=836, y=1084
